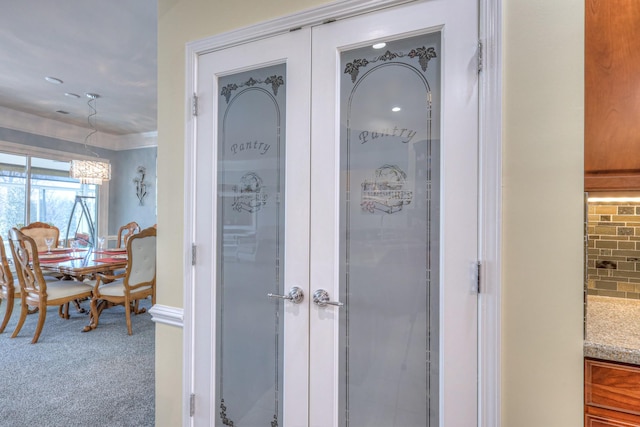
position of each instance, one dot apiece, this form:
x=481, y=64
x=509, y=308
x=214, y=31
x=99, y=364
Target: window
x=53, y=197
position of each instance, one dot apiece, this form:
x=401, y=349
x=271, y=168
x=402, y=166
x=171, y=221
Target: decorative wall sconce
x=141, y=185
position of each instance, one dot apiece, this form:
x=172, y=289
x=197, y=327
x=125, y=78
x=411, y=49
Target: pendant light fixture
x=90, y=171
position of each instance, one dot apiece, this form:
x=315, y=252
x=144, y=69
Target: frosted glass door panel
x=389, y=233
x=251, y=114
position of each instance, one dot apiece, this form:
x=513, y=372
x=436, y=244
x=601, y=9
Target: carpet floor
x=69, y=378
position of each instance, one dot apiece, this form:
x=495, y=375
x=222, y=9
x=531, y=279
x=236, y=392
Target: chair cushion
x=116, y=289
x=66, y=288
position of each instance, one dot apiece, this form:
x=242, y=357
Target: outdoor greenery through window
x=52, y=196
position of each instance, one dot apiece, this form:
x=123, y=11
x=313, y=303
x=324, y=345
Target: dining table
x=80, y=264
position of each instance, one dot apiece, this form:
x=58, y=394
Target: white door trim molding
x=490, y=183
x=490, y=215
x=330, y=12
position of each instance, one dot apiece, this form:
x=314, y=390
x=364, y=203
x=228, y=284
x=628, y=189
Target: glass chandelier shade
x=90, y=171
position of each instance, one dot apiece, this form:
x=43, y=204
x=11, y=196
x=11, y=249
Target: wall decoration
x=141, y=185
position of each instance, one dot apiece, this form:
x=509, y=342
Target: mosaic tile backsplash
x=613, y=249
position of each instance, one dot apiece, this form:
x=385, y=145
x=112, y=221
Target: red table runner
x=107, y=259
x=112, y=252
x=60, y=251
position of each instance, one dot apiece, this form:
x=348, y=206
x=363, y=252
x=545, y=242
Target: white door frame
x=490, y=182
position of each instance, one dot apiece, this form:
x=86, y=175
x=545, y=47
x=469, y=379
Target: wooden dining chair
x=35, y=289
x=39, y=231
x=137, y=282
x=8, y=291
x=9, y=288
x=125, y=232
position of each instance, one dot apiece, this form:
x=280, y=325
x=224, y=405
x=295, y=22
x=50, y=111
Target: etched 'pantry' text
x=259, y=147
x=405, y=135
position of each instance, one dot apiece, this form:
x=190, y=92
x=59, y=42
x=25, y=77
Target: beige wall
x=543, y=167
x=543, y=89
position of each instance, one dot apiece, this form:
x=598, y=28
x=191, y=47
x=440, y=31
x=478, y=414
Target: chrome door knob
x=321, y=299
x=295, y=295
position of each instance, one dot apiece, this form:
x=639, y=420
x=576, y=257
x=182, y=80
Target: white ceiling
x=106, y=47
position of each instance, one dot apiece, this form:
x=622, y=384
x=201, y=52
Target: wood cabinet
x=612, y=95
x=611, y=394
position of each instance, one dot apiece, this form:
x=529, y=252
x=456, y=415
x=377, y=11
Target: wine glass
x=49, y=242
x=101, y=240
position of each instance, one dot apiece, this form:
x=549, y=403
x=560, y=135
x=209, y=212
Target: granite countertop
x=613, y=329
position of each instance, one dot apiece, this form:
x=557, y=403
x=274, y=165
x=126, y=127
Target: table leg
x=94, y=316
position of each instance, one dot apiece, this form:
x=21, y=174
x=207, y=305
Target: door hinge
x=194, y=105
x=192, y=405
x=478, y=278
x=480, y=56
x=193, y=254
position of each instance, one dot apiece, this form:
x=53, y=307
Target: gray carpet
x=69, y=378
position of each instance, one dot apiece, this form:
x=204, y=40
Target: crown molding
x=137, y=140
x=30, y=123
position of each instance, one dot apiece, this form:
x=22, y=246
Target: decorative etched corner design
x=274, y=81
x=386, y=192
x=274, y=423
x=423, y=54
x=223, y=414
x=249, y=195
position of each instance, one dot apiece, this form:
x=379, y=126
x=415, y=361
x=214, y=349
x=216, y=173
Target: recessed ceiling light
x=62, y=112
x=379, y=45
x=53, y=80
x=396, y=109
x=72, y=95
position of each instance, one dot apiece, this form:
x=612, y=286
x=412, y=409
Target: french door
x=336, y=224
